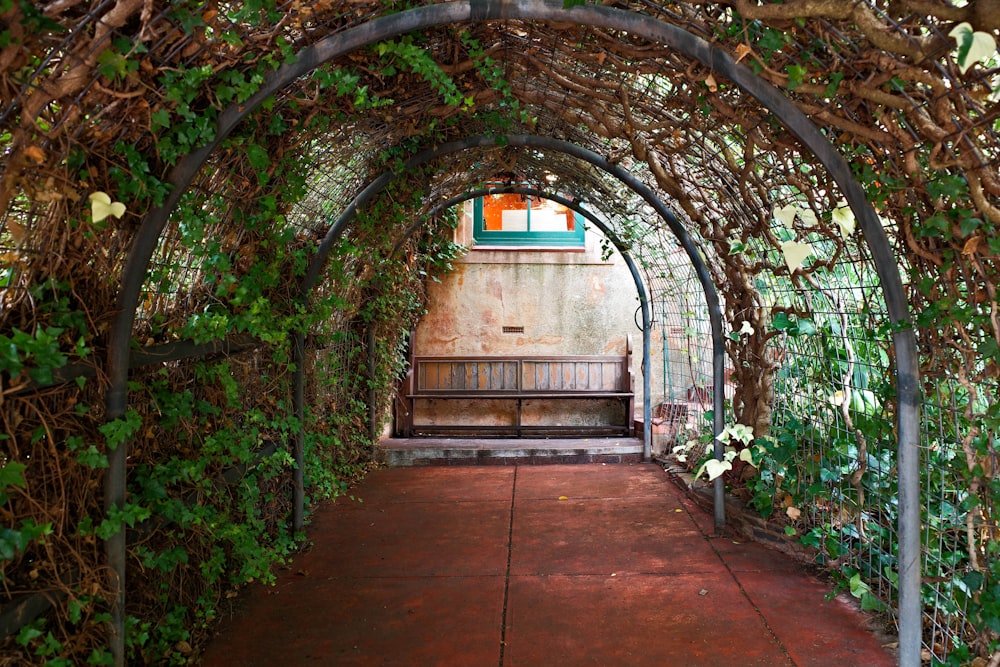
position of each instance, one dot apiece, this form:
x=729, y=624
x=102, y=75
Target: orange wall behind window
x=495, y=205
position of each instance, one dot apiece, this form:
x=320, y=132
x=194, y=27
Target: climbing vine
x=103, y=100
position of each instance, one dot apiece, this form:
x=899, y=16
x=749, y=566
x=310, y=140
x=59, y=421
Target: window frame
x=529, y=240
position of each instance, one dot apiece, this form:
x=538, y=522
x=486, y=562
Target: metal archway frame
x=463, y=11
x=621, y=247
x=580, y=153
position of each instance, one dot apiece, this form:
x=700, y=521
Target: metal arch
x=560, y=146
x=459, y=11
x=640, y=286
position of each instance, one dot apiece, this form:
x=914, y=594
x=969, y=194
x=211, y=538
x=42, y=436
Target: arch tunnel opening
x=815, y=317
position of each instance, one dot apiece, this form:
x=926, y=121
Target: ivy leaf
x=786, y=215
x=258, y=156
x=12, y=474
x=714, y=468
x=736, y=246
x=567, y=4
x=782, y=322
x=844, y=217
x=795, y=254
x=969, y=225
x=808, y=217
x=796, y=73
x=740, y=432
x=973, y=46
x=101, y=206
x=804, y=327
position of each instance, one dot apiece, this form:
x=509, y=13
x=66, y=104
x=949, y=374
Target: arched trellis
x=559, y=146
x=690, y=45
x=615, y=240
x=622, y=249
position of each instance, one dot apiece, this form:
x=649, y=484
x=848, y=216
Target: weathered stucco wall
x=567, y=302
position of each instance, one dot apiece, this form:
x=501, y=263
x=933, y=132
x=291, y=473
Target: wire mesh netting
x=105, y=108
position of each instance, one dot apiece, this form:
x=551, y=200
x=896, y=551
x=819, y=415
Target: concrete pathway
x=532, y=566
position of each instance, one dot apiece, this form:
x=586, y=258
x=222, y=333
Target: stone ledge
x=528, y=458
x=740, y=520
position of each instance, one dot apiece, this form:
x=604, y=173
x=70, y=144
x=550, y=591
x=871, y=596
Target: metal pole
x=718, y=418
x=647, y=413
x=298, y=442
x=372, y=369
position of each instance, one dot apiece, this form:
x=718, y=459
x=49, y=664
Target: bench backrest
x=591, y=373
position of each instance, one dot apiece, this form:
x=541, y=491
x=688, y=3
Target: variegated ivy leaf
x=795, y=254
x=714, y=468
x=808, y=217
x=844, y=217
x=740, y=432
x=973, y=46
x=101, y=206
x=786, y=215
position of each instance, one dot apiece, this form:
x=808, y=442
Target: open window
x=520, y=221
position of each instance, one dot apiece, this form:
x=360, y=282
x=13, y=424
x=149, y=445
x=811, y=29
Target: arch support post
x=371, y=360
x=909, y=520
x=114, y=546
x=298, y=441
x=718, y=405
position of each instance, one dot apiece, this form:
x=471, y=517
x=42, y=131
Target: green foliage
x=793, y=326
x=32, y=18
x=117, y=432
x=13, y=541
x=39, y=353
x=346, y=83
x=406, y=54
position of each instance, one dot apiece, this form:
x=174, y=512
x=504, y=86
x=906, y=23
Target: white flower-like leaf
x=786, y=215
x=808, y=217
x=795, y=254
x=746, y=328
x=746, y=455
x=973, y=46
x=713, y=468
x=740, y=432
x=101, y=206
x=844, y=217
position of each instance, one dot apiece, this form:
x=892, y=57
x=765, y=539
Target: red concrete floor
x=537, y=566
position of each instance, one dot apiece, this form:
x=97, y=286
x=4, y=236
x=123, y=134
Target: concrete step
x=510, y=451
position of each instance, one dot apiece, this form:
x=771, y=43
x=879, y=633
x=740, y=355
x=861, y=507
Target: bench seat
x=518, y=379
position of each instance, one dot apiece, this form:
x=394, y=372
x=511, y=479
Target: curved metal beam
x=459, y=11
x=560, y=146
x=619, y=245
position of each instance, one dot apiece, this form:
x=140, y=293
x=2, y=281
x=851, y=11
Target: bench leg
x=519, y=417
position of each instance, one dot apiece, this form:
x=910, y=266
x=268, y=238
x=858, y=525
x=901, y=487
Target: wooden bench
x=469, y=383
